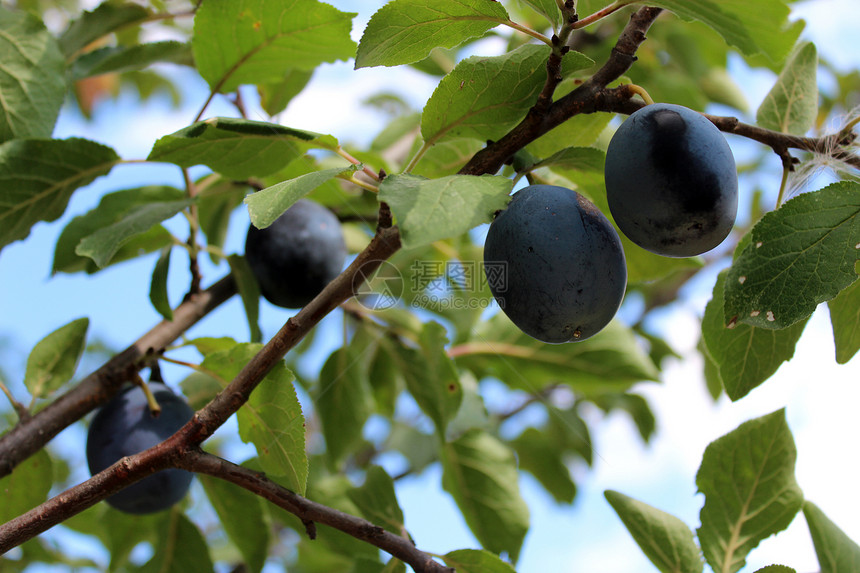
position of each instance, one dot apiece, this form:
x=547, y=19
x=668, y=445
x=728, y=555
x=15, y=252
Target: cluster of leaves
x=420, y=365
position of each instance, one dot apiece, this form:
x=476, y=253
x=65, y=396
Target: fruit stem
x=346, y=155
x=602, y=13
x=528, y=31
x=154, y=407
x=356, y=181
x=417, y=157
x=782, y=186
x=20, y=409
x=642, y=93
x=195, y=367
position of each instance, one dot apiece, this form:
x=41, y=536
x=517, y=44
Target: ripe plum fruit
x=125, y=426
x=671, y=181
x=295, y=257
x=555, y=264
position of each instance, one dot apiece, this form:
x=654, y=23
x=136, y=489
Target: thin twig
x=31, y=435
x=311, y=512
x=208, y=419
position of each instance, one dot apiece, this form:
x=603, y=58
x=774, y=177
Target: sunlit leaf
x=837, y=553
x=666, y=540
x=481, y=474
x=38, y=176
x=102, y=245
x=32, y=81
x=427, y=210
x=791, y=106
x=744, y=356
x=800, y=255
x=236, y=148
x=53, y=360
x=747, y=478
x=241, y=514
x=26, y=487
x=845, y=318
x=405, y=31
x=257, y=42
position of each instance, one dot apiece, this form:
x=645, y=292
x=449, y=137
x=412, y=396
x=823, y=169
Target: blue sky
x=820, y=396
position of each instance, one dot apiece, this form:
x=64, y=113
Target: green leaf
x=26, y=487
x=236, y=148
x=747, y=477
x=447, y=157
x=800, y=255
x=791, y=106
x=180, y=547
x=276, y=96
x=542, y=457
x=119, y=59
x=249, y=291
x=33, y=80
x=636, y=406
x=271, y=419
x=480, y=473
x=158, y=287
x=241, y=514
x=664, y=539
x=769, y=25
x=239, y=42
x=418, y=448
x=53, y=360
x=476, y=561
x=548, y=9
x=579, y=131
x=38, y=176
x=91, y=26
x=343, y=397
x=431, y=209
x=199, y=389
x=837, y=553
x=215, y=205
x=750, y=28
x=430, y=375
x=587, y=159
x=267, y=205
x=609, y=361
x=102, y=245
x=484, y=97
x=845, y=318
x=377, y=501
x=112, y=208
x=744, y=356
x=405, y=31
x=569, y=432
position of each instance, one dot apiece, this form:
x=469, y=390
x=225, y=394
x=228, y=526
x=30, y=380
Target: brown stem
x=584, y=99
x=311, y=512
x=208, y=419
x=31, y=434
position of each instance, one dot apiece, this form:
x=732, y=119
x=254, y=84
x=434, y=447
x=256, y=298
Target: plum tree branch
x=619, y=100
x=31, y=434
x=209, y=418
x=311, y=512
x=584, y=99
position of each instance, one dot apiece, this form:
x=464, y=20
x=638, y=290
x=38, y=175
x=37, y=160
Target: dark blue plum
x=555, y=264
x=671, y=181
x=298, y=255
x=125, y=426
